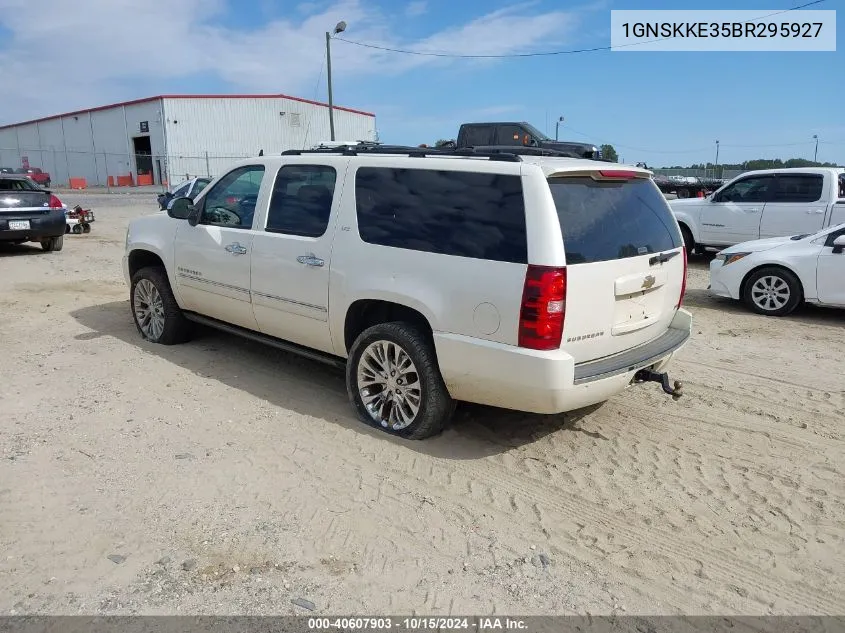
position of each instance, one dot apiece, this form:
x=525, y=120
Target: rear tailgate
x=625, y=262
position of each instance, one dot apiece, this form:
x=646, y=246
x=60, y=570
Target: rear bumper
x=42, y=226
x=547, y=382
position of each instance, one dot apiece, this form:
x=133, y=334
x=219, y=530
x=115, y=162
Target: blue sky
x=664, y=108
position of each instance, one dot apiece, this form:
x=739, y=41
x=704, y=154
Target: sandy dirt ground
x=222, y=477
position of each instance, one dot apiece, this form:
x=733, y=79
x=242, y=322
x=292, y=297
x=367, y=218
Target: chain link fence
x=121, y=169
x=64, y=168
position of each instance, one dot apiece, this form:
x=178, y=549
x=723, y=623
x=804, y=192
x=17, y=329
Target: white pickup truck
x=762, y=204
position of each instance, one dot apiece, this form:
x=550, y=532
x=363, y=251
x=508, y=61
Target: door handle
x=754, y=210
x=815, y=211
x=310, y=260
x=236, y=249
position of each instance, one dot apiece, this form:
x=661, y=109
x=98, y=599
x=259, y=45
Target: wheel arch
x=140, y=258
x=364, y=313
x=744, y=283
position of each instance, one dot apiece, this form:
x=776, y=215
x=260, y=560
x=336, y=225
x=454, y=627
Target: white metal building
x=171, y=137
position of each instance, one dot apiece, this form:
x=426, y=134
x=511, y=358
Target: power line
x=545, y=53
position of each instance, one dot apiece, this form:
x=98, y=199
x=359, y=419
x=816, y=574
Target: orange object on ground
x=111, y=181
x=145, y=179
x=125, y=181
x=77, y=183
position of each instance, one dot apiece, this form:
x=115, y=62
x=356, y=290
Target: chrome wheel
x=149, y=309
x=389, y=385
x=770, y=293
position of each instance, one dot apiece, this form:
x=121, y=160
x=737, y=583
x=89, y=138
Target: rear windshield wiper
x=662, y=258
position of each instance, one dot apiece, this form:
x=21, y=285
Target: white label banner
x=717, y=30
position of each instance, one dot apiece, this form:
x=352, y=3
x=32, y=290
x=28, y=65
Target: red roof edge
x=183, y=96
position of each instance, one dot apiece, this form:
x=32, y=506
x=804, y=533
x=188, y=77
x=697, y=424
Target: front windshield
x=536, y=133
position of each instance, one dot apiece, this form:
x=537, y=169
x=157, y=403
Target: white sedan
x=773, y=276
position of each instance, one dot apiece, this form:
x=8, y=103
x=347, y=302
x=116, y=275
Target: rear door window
x=606, y=220
x=798, y=188
x=475, y=135
x=466, y=214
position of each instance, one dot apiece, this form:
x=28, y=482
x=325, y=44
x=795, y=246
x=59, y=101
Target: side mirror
x=180, y=208
x=839, y=244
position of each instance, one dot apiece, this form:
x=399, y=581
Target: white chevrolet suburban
x=763, y=204
x=529, y=283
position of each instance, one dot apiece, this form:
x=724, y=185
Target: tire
x=783, y=287
x=683, y=193
x=67, y=229
x=86, y=228
x=150, y=291
x=435, y=404
x=77, y=229
x=689, y=242
x=53, y=244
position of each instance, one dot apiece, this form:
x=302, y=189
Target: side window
x=512, y=135
x=476, y=135
x=301, y=202
x=464, y=214
x=842, y=185
x=753, y=189
x=232, y=201
x=798, y=188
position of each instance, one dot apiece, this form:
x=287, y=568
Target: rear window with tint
x=17, y=184
x=466, y=214
x=601, y=221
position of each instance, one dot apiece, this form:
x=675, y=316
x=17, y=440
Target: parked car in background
x=187, y=189
x=29, y=213
x=36, y=174
x=774, y=276
x=530, y=283
x=7, y=170
x=763, y=204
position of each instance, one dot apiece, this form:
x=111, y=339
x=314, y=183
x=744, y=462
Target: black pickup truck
x=519, y=138
x=29, y=213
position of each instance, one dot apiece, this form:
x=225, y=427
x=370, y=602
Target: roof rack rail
x=413, y=152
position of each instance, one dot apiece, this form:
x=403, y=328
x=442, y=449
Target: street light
x=557, y=126
x=340, y=28
x=716, y=166
x=816, y=153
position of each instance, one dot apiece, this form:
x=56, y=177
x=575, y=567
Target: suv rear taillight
x=543, y=308
x=684, y=282
x=55, y=203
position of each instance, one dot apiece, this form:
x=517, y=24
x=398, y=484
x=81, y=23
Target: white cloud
x=83, y=54
x=417, y=8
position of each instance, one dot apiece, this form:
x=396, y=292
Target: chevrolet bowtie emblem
x=648, y=282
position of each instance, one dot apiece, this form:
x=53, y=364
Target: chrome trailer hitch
x=647, y=375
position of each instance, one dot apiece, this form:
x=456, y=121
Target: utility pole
x=340, y=28
x=557, y=126
x=816, y=153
